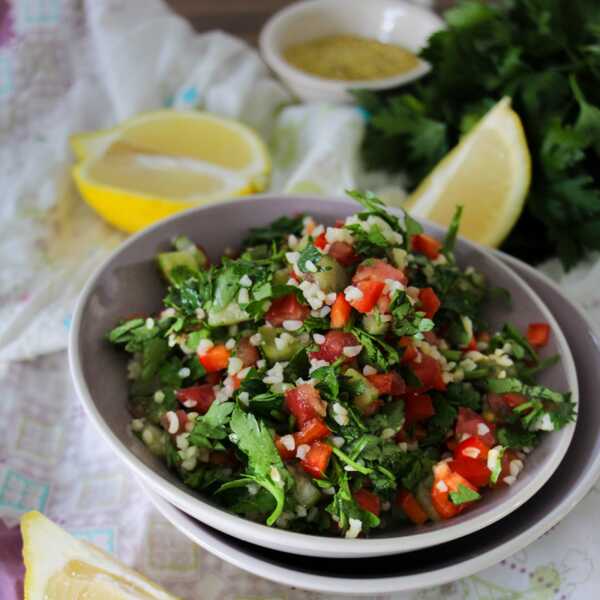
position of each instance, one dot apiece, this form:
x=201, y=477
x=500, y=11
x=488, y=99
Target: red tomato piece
x=411, y=507
x=440, y=494
x=343, y=253
x=410, y=352
x=340, y=312
x=378, y=270
x=286, y=308
x=472, y=424
x=507, y=457
x=246, y=352
x=316, y=460
x=425, y=244
x=430, y=303
x=429, y=373
x=388, y=383
x=467, y=448
x=305, y=403
x=538, y=334
x=311, y=431
x=473, y=470
x=333, y=346
x=371, y=290
x=418, y=408
x=213, y=378
x=181, y=417
x=217, y=457
x=368, y=501
x=472, y=345
x=513, y=400
x=320, y=241
x=283, y=451
x=216, y=358
x=197, y=397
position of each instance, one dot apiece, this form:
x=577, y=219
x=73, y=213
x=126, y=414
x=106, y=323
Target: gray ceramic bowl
x=410, y=571
x=128, y=283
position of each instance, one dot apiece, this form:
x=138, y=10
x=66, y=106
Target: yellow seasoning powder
x=349, y=57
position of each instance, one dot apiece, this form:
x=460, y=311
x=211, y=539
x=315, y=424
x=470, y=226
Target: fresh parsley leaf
x=328, y=380
x=512, y=437
x=211, y=426
x=122, y=333
x=452, y=232
x=275, y=232
x=463, y=495
x=312, y=254
x=376, y=352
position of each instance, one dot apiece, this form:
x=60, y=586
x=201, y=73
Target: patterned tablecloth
x=65, y=66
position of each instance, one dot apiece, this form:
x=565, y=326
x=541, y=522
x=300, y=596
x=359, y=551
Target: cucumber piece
x=184, y=244
x=398, y=257
x=373, y=324
x=333, y=277
x=423, y=495
x=272, y=352
x=167, y=261
x=233, y=313
x=364, y=392
x=457, y=334
x=281, y=277
x=155, y=439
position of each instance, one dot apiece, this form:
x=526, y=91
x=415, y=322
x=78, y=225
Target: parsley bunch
x=545, y=55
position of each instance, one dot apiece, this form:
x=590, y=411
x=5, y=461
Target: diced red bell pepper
x=378, y=270
x=340, y=312
x=440, y=495
x=429, y=373
x=538, y=334
x=388, y=383
x=283, y=451
x=430, y=303
x=472, y=423
x=246, y=352
x=216, y=358
x=317, y=459
x=411, y=507
x=343, y=253
x=333, y=346
x=368, y=501
x=472, y=469
x=371, y=290
x=410, y=351
x=286, y=308
x=320, y=241
x=418, y=408
x=425, y=244
x=197, y=397
x=311, y=431
x=304, y=402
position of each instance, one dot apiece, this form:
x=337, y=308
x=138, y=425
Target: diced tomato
x=367, y=407
x=216, y=358
x=469, y=422
x=378, y=270
x=311, y=431
x=384, y=302
x=538, y=334
x=333, y=346
x=388, y=383
x=469, y=445
x=472, y=345
x=507, y=457
x=286, y=308
x=425, y=244
x=197, y=397
x=368, y=501
x=417, y=408
x=340, y=312
x=339, y=223
x=316, y=460
x=431, y=338
x=430, y=303
x=283, y=451
x=514, y=399
x=181, y=417
x=440, y=498
x=343, y=253
x=305, y=403
x=410, y=351
x=217, y=457
x=246, y=352
x=429, y=373
x=411, y=507
x=320, y=241
x=213, y=378
x=371, y=290
x=473, y=470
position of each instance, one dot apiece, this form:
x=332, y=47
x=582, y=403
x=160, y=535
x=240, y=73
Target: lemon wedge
x=159, y=163
x=60, y=567
x=488, y=173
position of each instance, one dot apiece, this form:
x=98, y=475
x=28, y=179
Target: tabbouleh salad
x=336, y=379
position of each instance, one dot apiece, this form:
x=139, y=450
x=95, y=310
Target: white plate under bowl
x=467, y=556
x=129, y=284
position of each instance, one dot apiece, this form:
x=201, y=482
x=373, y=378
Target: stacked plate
x=561, y=470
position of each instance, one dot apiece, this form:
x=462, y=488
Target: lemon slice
x=488, y=173
x=59, y=567
x=159, y=163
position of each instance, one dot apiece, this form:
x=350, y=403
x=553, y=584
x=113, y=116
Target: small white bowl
x=388, y=21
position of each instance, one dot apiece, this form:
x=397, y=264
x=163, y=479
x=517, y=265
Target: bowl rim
x=294, y=542
x=272, y=55
x=189, y=526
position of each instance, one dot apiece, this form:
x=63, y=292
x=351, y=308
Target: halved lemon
x=488, y=173
x=60, y=567
x=159, y=163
